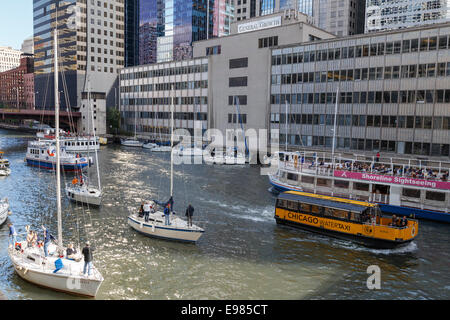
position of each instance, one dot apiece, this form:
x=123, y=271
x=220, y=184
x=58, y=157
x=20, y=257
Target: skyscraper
x=91, y=48
x=341, y=17
x=389, y=14
x=167, y=28
x=131, y=33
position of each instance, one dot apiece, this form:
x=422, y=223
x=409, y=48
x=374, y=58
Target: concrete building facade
x=145, y=93
x=9, y=58
x=240, y=67
x=391, y=15
x=393, y=92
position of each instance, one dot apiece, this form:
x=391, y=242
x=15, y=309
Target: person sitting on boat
x=404, y=222
x=394, y=221
x=71, y=252
x=167, y=215
x=29, y=237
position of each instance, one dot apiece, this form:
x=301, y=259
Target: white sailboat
x=4, y=210
x=178, y=229
x=133, y=142
x=81, y=190
x=31, y=264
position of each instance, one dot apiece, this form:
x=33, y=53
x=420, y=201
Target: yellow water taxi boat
x=359, y=221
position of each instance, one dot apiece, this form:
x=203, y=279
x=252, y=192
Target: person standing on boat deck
x=189, y=214
x=378, y=157
x=12, y=234
x=170, y=203
x=87, y=253
x=167, y=215
x=404, y=222
x=141, y=210
x=146, y=210
x=47, y=239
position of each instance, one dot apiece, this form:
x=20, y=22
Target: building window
x=213, y=50
x=237, y=82
x=268, y=42
x=239, y=63
x=241, y=100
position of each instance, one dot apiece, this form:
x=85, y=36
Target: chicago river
x=242, y=255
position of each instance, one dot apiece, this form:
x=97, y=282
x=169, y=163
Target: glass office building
x=167, y=28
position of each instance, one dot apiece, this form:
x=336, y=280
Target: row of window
x=317, y=210
x=198, y=68
x=402, y=147
x=202, y=84
x=367, y=50
x=403, y=96
x=410, y=122
x=167, y=115
x=164, y=101
x=234, y=118
x=441, y=69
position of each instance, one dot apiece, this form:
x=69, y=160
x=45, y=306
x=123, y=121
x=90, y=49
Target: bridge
x=43, y=116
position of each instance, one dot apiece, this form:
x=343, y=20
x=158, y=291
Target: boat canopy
x=324, y=202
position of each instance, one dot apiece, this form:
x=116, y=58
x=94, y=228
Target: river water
x=243, y=254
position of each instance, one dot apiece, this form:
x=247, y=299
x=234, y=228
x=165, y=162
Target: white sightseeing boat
x=42, y=154
x=404, y=187
x=178, y=229
x=71, y=142
x=54, y=271
x=4, y=210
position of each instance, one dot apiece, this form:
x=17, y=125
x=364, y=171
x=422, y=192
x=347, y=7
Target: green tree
x=113, y=120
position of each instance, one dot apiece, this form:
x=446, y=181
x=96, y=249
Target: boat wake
x=408, y=248
x=258, y=214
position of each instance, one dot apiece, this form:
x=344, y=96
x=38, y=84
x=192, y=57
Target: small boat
x=4, y=210
x=4, y=170
x=149, y=145
x=81, y=191
x=3, y=160
x=155, y=227
x=42, y=154
x=178, y=229
x=103, y=141
x=358, y=221
x=54, y=271
x=162, y=149
x=189, y=151
x=131, y=143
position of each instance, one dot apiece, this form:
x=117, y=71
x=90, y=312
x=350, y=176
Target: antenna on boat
x=58, y=160
x=172, y=93
x=334, y=126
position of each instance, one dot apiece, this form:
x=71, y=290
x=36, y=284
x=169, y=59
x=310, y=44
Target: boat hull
x=363, y=240
x=385, y=208
x=71, y=284
x=92, y=199
x=165, y=232
x=42, y=164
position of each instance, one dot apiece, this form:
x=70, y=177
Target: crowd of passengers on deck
x=378, y=168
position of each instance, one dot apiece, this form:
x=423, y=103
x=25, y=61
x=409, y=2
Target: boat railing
x=304, y=164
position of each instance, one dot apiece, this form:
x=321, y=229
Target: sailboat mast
x=58, y=160
x=334, y=125
x=171, y=144
x=93, y=132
